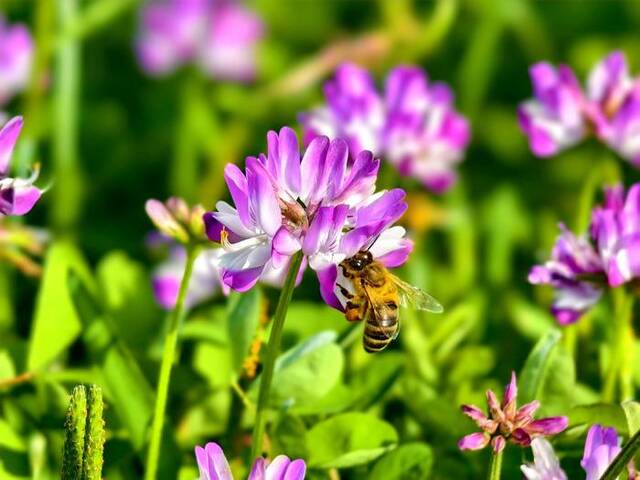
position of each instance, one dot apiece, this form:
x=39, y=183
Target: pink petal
x=8, y=137
x=473, y=441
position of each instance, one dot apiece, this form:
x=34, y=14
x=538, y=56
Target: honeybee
x=375, y=296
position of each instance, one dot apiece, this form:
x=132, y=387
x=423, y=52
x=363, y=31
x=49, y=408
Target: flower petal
x=238, y=188
x=277, y=468
x=23, y=199
x=8, y=137
x=327, y=280
x=262, y=198
x=474, y=441
x=242, y=280
x=312, y=169
x=548, y=426
x=296, y=471
x=212, y=463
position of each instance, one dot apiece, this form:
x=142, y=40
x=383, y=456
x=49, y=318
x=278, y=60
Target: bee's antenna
x=373, y=242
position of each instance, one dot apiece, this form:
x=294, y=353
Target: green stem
x=619, y=364
x=570, y=339
x=184, y=167
x=168, y=356
x=495, y=470
x=68, y=188
x=623, y=458
x=273, y=348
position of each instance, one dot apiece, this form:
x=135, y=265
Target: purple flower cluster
x=17, y=195
x=600, y=448
x=413, y=125
x=218, y=35
x=213, y=465
x=16, y=56
x=507, y=422
x=562, y=113
x=580, y=268
x=317, y=202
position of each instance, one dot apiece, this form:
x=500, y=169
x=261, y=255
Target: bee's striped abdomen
x=380, y=329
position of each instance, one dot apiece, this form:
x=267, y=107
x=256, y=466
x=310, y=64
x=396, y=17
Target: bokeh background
x=109, y=137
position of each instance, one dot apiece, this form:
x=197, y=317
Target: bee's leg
x=346, y=293
x=354, y=312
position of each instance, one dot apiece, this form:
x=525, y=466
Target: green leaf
x=412, y=461
x=126, y=294
x=299, y=327
x=536, y=367
x=7, y=368
x=124, y=381
x=349, y=439
x=288, y=435
x=632, y=413
x=56, y=324
x=603, y=413
x=376, y=378
x=243, y=319
x=307, y=372
x=10, y=439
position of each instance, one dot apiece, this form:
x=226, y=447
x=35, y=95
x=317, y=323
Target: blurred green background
x=108, y=137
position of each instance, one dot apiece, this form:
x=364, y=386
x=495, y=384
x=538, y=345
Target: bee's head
x=361, y=260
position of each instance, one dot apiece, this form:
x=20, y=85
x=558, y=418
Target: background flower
x=413, y=125
x=562, y=113
x=218, y=35
x=573, y=271
x=546, y=465
x=16, y=57
x=600, y=448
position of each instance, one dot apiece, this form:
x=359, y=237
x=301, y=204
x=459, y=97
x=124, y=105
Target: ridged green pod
x=84, y=435
x=74, y=435
x=94, y=436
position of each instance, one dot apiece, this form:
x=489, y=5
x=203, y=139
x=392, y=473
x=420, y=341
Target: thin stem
x=273, y=348
x=242, y=395
x=619, y=364
x=168, y=355
x=495, y=470
x=623, y=458
x=66, y=205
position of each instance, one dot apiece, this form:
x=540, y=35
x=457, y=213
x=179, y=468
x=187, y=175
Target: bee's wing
x=415, y=297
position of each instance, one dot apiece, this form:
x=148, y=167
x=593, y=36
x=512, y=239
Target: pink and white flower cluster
x=319, y=202
x=220, y=36
x=562, y=113
x=16, y=57
x=581, y=267
x=213, y=465
x=413, y=125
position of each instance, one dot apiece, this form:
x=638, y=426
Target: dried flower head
x=508, y=423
